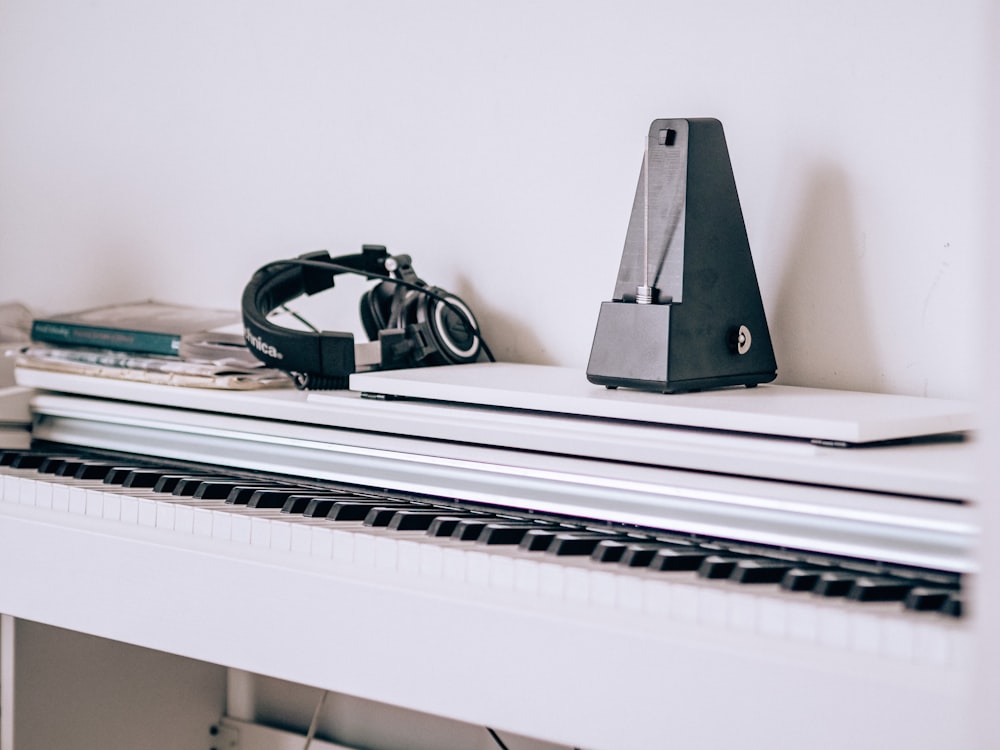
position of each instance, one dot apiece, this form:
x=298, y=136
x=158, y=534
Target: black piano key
x=801, y=578
x=507, y=533
x=571, y=544
x=167, y=483
x=93, y=470
x=218, y=489
x=118, y=474
x=353, y=510
x=870, y=589
x=540, y=539
x=831, y=583
x=411, y=519
x=188, y=486
x=241, y=493
x=69, y=467
x=319, y=507
x=469, y=528
x=444, y=526
x=297, y=504
x=954, y=606
x=761, y=570
x=27, y=460
x=52, y=464
x=679, y=558
x=142, y=478
x=609, y=551
x=7, y=457
x=924, y=599
x=639, y=555
x=270, y=498
x=380, y=515
x=718, y=566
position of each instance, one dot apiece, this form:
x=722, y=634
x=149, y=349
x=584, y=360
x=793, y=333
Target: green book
x=145, y=327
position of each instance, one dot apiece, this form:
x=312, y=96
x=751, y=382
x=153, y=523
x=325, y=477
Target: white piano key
x=477, y=567
x=898, y=638
x=111, y=504
x=222, y=525
x=630, y=596
x=202, y=525
x=576, y=582
x=92, y=501
x=44, y=499
x=501, y=572
x=865, y=632
x=240, y=527
x=802, y=619
x=147, y=512
x=166, y=514
x=280, y=533
x=78, y=503
x=129, y=510
x=301, y=540
x=834, y=630
x=712, y=606
x=772, y=616
x=603, y=588
x=43, y=494
x=431, y=562
x=526, y=576
x=260, y=531
x=364, y=550
x=408, y=551
x=742, y=611
x=453, y=564
x=26, y=495
x=8, y=488
x=551, y=580
x=386, y=553
x=183, y=518
x=322, y=542
x=684, y=602
x=343, y=545
x=655, y=597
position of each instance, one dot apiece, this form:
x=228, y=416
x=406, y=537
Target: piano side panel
x=558, y=671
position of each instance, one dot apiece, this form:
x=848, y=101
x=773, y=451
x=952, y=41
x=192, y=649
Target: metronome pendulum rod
x=644, y=293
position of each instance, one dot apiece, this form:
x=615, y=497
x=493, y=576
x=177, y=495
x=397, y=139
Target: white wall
x=169, y=148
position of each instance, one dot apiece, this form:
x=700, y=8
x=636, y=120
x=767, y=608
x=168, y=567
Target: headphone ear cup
x=452, y=326
x=375, y=306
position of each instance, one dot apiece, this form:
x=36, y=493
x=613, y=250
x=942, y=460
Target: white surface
x=781, y=411
x=500, y=144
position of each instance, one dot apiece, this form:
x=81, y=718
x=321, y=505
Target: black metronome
x=686, y=313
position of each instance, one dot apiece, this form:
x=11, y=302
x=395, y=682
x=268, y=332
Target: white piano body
x=563, y=651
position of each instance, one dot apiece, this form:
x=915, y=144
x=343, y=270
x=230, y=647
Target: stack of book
x=152, y=342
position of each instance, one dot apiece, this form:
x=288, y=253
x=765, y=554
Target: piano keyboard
x=600, y=563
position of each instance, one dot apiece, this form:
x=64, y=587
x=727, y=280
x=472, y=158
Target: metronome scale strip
x=430, y=536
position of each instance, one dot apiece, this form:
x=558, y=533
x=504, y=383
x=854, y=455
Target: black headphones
x=408, y=322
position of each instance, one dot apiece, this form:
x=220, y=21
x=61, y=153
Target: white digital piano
x=510, y=547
